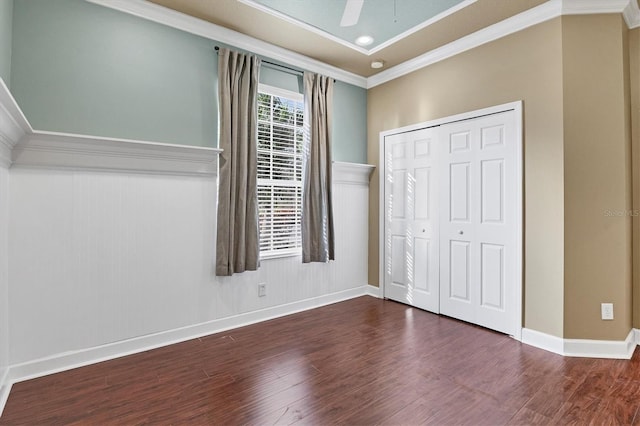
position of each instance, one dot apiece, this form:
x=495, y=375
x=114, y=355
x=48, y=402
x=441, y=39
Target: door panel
x=492, y=265
x=421, y=277
x=478, y=230
x=422, y=185
x=459, y=192
x=398, y=267
x=492, y=191
x=459, y=269
x=411, y=228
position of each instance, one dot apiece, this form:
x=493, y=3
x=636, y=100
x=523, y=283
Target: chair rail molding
x=351, y=173
x=78, y=152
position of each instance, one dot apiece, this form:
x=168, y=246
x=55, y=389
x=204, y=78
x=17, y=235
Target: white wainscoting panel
x=99, y=258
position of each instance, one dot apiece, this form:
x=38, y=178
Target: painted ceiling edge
x=368, y=52
x=536, y=15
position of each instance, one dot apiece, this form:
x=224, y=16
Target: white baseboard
x=69, y=360
x=601, y=348
x=612, y=349
x=544, y=341
x=374, y=291
x=5, y=388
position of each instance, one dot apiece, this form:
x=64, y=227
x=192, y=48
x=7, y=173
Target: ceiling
x=382, y=20
x=311, y=27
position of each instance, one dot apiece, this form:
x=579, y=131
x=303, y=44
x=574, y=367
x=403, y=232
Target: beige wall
x=634, y=89
x=524, y=66
x=579, y=79
x=597, y=175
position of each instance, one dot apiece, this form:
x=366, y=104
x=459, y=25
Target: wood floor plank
x=363, y=361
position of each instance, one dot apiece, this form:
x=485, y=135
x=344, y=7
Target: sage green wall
x=6, y=19
x=349, y=123
x=82, y=68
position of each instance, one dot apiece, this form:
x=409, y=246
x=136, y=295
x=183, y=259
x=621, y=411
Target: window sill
x=280, y=254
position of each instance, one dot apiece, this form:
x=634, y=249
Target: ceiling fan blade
x=351, y=13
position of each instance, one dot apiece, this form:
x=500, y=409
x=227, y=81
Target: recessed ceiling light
x=377, y=64
x=364, y=40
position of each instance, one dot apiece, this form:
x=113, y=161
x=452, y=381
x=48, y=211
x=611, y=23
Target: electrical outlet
x=262, y=289
x=607, y=311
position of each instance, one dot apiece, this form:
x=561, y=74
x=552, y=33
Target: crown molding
x=631, y=15
x=591, y=7
x=162, y=15
x=13, y=124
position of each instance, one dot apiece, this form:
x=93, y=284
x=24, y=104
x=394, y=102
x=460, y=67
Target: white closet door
x=478, y=221
x=411, y=219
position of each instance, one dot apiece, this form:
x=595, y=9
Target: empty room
x=390, y=212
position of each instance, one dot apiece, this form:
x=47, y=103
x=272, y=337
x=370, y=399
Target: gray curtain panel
x=237, y=243
x=317, y=209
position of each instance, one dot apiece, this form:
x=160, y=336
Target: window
x=280, y=122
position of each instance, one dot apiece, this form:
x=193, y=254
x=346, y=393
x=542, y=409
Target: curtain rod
x=289, y=69
x=292, y=70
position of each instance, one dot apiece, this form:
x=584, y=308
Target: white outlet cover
x=607, y=311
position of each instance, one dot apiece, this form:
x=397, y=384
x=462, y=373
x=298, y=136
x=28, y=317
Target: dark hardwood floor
x=363, y=361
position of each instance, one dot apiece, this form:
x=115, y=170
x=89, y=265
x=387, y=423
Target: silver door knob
x=424, y=230
x=460, y=232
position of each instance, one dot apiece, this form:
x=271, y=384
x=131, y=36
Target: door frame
x=516, y=107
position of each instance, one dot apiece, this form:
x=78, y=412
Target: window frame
x=298, y=98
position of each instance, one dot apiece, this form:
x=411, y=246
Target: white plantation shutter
x=280, y=121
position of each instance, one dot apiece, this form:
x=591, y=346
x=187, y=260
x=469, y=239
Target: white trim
x=636, y=333
x=181, y=21
x=261, y=7
x=13, y=124
x=519, y=213
x=374, y=291
x=601, y=348
x=511, y=106
x=69, y=360
x=351, y=173
x=78, y=152
x=419, y=27
x=592, y=7
x=631, y=15
x=610, y=349
x=280, y=92
x=544, y=341
x=5, y=390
